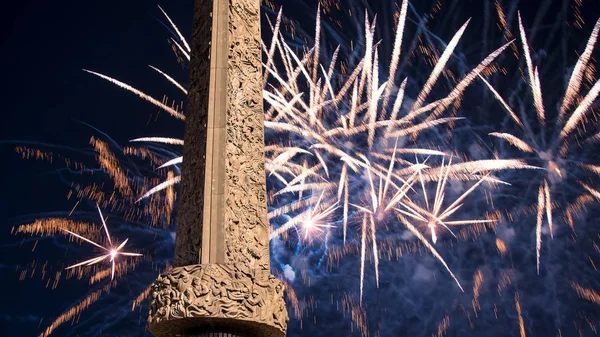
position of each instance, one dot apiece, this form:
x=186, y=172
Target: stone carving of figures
x=236, y=291
x=184, y=282
x=199, y=288
x=219, y=291
x=197, y=299
x=239, y=293
x=191, y=300
x=257, y=304
x=228, y=291
x=164, y=297
x=154, y=304
x=280, y=316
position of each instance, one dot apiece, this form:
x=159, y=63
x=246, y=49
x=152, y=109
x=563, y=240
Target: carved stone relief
x=241, y=292
x=217, y=291
x=189, y=229
x=246, y=224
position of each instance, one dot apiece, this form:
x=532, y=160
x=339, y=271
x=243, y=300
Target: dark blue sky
x=45, y=45
x=46, y=95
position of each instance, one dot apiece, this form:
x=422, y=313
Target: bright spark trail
x=559, y=155
x=111, y=251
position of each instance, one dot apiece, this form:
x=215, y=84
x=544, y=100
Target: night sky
x=48, y=96
x=49, y=101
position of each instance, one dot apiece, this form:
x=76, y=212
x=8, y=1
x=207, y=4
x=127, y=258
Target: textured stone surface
x=246, y=224
x=190, y=209
x=221, y=281
x=218, y=295
x=224, y=185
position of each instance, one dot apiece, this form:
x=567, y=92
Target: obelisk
x=221, y=284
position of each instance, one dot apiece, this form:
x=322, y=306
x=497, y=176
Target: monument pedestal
x=190, y=300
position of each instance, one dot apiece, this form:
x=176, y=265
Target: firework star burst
x=556, y=145
x=110, y=251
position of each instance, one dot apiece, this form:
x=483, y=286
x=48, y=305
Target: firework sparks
x=310, y=223
x=111, y=250
x=344, y=157
x=356, y=148
x=144, y=96
x=75, y=310
x=433, y=215
x=557, y=155
x=521, y=321
x=587, y=294
x=328, y=126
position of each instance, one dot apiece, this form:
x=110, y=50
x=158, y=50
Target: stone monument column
x=221, y=285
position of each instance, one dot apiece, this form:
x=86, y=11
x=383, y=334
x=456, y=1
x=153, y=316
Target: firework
x=433, y=216
x=561, y=163
x=111, y=250
x=346, y=148
x=327, y=121
x=358, y=164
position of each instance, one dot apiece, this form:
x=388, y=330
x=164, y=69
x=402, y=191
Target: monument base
x=204, y=299
x=219, y=334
